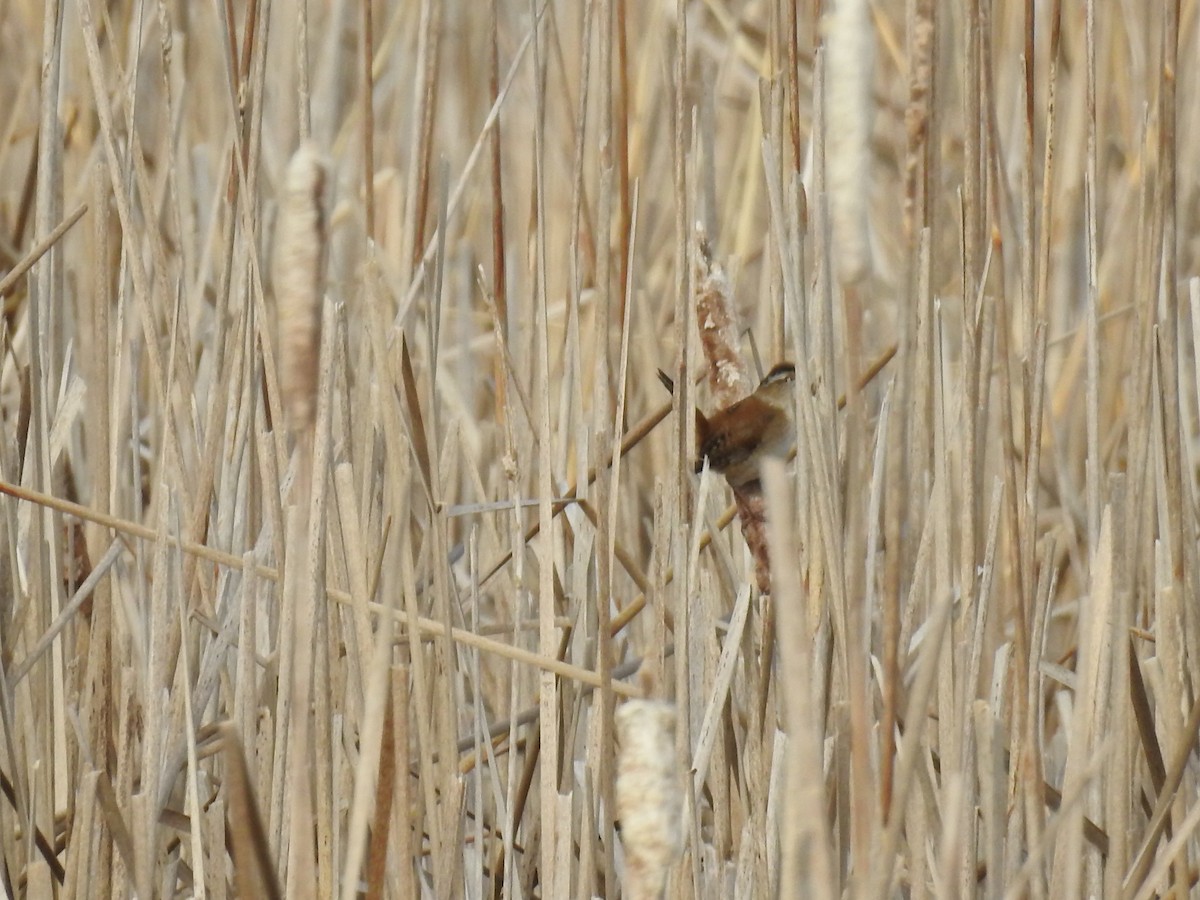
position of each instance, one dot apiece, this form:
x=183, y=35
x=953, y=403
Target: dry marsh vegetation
x=344, y=521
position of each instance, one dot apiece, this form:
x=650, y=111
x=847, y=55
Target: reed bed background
x=337, y=541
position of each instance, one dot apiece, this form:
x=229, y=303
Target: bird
x=735, y=439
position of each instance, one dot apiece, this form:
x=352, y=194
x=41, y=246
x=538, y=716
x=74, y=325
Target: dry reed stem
x=299, y=286
x=35, y=253
x=422, y=625
x=987, y=653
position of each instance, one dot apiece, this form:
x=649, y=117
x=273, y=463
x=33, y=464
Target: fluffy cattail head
x=299, y=284
x=649, y=795
x=716, y=316
x=850, y=40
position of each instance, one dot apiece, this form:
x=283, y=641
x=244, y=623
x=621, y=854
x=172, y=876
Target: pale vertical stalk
x=304, y=93
x=423, y=673
x=245, y=671
x=608, y=483
x=159, y=631
x=315, y=554
x=902, y=462
x=1091, y=186
x=806, y=849
x=499, y=248
x=371, y=742
x=554, y=882
x=481, y=736
x=46, y=284
x=683, y=433
x=300, y=250
x=102, y=666
x=1087, y=740
x=1031, y=752
x=401, y=824
x=973, y=129
x=882, y=878
x=416, y=182
x=1179, y=483
x=192, y=805
x=606, y=536
x=420, y=258
x=350, y=517
x=368, y=107
x=301, y=878
x=425, y=429
x=143, y=289
x=604, y=266
x=1117, y=802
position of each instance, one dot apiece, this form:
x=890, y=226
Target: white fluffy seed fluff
x=299, y=257
x=850, y=43
x=649, y=795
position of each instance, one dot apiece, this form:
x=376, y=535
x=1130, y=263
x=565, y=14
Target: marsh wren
x=738, y=437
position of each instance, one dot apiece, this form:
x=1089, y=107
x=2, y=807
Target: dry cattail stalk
x=849, y=38
x=748, y=423
x=299, y=257
x=752, y=514
x=649, y=795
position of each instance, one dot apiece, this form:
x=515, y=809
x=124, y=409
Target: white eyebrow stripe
x=780, y=372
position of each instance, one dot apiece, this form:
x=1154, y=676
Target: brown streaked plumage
x=735, y=439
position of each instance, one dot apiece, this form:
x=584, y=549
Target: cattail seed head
x=299, y=284
x=649, y=795
x=716, y=317
x=850, y=41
